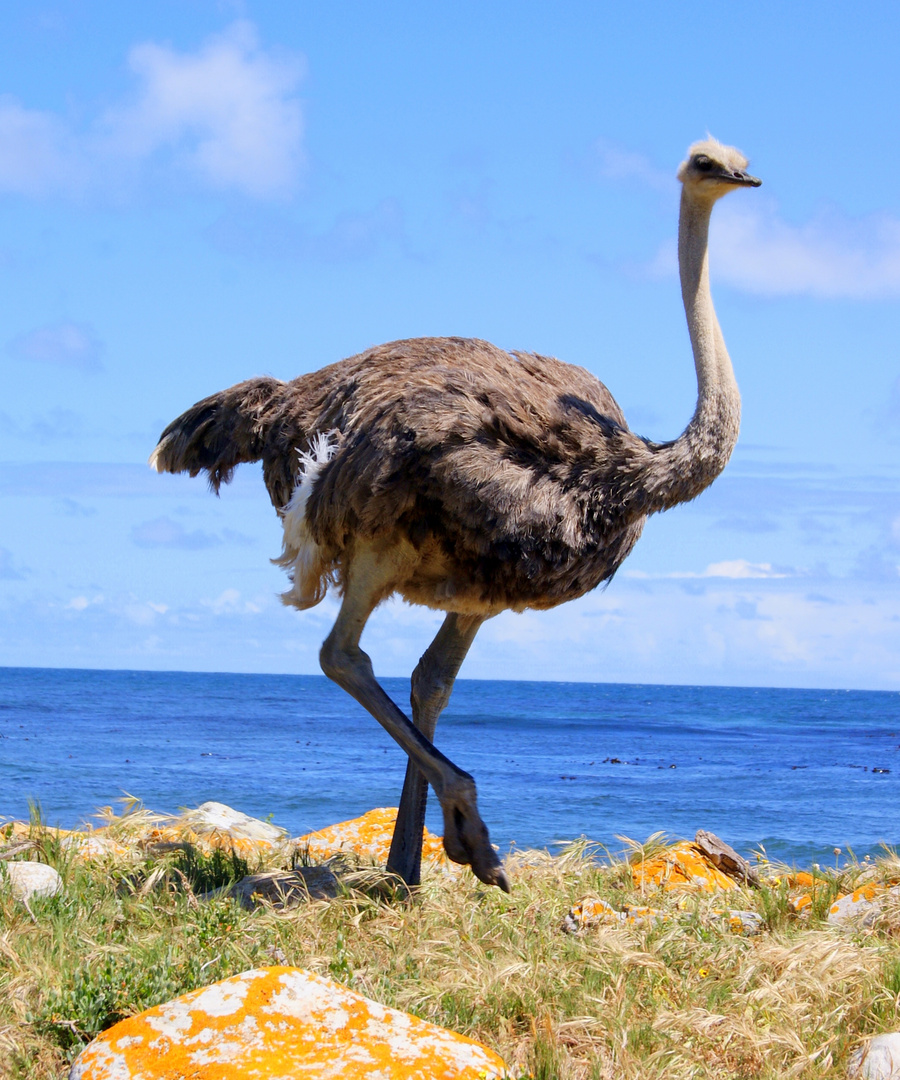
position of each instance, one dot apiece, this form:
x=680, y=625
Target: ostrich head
x=712, y=170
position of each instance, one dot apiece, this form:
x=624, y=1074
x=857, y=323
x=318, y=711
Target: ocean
x=798, y=772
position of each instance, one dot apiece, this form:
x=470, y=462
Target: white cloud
x=163, y=532
x=615, y=162
x=740, y=568
x=227, y=112
x=82, y=603
x=733, y=568
x=230, y=602
x=831, y=256
x=733, y=632
x=66, y=343
x=38, y=153
x=226, y=115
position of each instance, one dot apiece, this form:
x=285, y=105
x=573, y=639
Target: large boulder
x=681, y=866
x=368, y=837
x=280, y=1022
x=212, y=826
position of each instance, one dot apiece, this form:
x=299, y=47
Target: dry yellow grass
x=685, y=997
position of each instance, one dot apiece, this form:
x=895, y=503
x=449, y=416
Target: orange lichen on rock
x=208, y=842
x=592, y=912
x=681, y=866
x=214, y=826
x=86, y=845
x=803, y=888
x=280, y=1022
x=861, y=907
x=368, y=837
x=209, y=827
x=25, y=830
x=802, y=903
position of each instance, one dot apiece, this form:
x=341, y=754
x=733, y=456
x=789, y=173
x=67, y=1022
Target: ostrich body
x=470, y=480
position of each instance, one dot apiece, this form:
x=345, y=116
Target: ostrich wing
x=220, y=432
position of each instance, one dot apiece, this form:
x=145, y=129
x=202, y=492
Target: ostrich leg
x=370, y=578
x=432, y=683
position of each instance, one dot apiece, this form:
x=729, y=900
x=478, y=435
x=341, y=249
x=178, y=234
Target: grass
x=679, y=998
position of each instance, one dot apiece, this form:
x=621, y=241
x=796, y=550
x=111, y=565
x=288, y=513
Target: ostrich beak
x=744, y=179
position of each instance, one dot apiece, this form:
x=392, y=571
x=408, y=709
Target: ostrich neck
x=680, y=470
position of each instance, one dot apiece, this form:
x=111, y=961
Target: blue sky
x=191, y=194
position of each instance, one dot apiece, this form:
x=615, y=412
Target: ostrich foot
x=466, y=837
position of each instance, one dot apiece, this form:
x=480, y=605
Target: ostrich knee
x=343, y=665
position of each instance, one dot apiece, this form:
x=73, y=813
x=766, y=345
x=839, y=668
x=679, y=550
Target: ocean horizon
x=795, y=773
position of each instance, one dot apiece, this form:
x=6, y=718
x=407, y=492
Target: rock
x=90, y=847
x=861, y=907
x=283, y=888
x=280, y=1022
x=725, y=858
x=747, y=923
x=878, y=1059
x=588, y=913
x=680, y=867
x=216, y=817
x=368, y=837
x=28, y=880
x=214, y=825
x=592, y=912
x=638, y=915
x=17, y=847
x=802, y=888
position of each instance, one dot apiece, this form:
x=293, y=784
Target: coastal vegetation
x=682, y=993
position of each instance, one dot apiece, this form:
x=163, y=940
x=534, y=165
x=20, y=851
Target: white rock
x=218, y=818
x=878, y=1059
x=857, y=909
x=31, y=879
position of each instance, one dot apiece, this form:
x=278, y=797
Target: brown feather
x=512, y=475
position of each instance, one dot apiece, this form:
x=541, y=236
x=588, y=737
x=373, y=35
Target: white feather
x=153, y=460
x=306, y=564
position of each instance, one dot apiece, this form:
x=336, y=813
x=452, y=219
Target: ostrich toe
x=466, y=838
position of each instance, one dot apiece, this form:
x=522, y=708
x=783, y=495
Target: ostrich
x=470, y=480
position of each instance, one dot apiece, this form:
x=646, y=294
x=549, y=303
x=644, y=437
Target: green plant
x=206, y=873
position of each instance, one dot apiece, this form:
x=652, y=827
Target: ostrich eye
x=703, y=163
